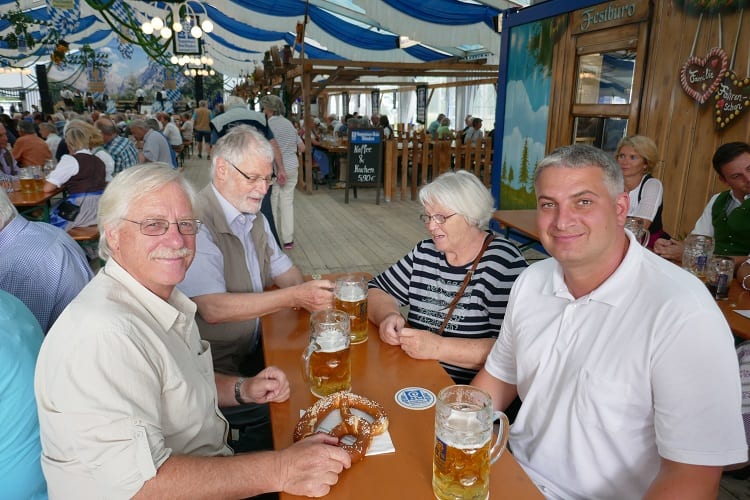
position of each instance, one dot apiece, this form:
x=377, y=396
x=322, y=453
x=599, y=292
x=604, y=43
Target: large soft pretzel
x=351, y=425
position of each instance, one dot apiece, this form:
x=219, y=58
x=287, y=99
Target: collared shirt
x=156, y=147
x=206, y=273
x=613, y=381
x=123, y=152
x=123, y=382
x=43, y=266
x=705, y=224
x=20, y=470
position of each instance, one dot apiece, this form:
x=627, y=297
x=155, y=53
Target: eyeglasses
x=254, y=179
x=157, y=227
x=438, y=218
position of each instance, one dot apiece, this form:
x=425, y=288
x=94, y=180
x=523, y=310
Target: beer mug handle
x=306, y=354
x=646, y=236
x=502, y=436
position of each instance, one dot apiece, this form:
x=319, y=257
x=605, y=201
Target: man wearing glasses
x=237, y=257
x=126, y=392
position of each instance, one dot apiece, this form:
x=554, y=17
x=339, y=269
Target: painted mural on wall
x=526, y=110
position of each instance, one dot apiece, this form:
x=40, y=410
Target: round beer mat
x=415, y=398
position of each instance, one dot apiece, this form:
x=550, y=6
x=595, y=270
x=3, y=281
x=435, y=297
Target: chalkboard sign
x=365, y=160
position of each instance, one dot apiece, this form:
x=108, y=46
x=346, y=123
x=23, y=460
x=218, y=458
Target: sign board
x=365, y=165
x=375, y=101
x=608, y=15
x=421, y=103
x=185, y=44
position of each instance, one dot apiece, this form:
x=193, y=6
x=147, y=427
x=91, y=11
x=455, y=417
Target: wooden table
x=26, y=203
x=520, y=221
x=378, y=371
x=739, y=298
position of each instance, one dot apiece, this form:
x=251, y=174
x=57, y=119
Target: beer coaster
x=415, y=398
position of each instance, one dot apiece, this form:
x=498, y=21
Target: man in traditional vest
x=726, y=218
x=237, y=258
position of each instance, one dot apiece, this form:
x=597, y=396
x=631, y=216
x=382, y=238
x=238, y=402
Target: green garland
x=712, y=6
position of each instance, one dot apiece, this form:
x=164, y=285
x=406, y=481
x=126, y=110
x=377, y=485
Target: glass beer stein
x=464, y=449
x=719, y=273
x=326, y=361
x=635, y=225
x=26, y=178
x=697, y=253
x=350, y=296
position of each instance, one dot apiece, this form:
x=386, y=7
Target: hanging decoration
x=711, y=6
x=64, y=15
x=21, y=23
x=733, y=95
x=700, y=76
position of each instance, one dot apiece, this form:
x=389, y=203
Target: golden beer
x=357, y=311
x=329, y=372
x=28, y=185
x=39, y=185
x=459, y=472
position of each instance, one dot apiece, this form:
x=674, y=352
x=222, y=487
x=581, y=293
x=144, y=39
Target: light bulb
x=177, y=27
x=165, y=33
x=157, y=23
x=193, y=72
x=212, y=72
x=203, y=59
x=174, y=60
x=187, y=72
x=196, y=32
x=207, y=26
x=147, y=28
x=210, y=61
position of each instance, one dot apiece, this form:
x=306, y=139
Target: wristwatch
x=238, y=390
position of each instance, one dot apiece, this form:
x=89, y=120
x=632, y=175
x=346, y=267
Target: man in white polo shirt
x=623, y=361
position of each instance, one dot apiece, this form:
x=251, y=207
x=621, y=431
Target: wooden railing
x=411, y=162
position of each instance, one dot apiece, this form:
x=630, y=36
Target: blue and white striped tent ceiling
x=356, y=30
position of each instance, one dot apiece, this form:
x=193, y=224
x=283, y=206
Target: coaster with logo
x=415, y=398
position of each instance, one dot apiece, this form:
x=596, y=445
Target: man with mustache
x=127, y=396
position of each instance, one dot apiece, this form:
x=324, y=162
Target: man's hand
x=314, y=295
x=420, y=344
x=390, y=328
x=669, y=249
x=268, y=386
x=281, y=177
x=311, y=466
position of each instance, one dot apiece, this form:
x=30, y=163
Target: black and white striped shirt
x=425, y=282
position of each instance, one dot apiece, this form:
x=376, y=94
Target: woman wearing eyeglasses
x=456, y=283
x=637, y=155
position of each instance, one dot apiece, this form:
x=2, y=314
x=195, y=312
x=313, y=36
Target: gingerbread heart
x=732, y=99
x=700, y=77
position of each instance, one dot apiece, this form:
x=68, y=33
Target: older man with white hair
x=127, y=397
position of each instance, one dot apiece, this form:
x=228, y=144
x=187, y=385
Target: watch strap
x=238, y=390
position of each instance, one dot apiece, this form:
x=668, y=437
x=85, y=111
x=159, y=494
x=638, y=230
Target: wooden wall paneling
x=560, y=128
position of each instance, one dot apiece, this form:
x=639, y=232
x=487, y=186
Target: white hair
x=463, y=193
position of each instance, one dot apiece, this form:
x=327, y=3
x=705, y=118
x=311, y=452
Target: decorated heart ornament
x=732, y=99
x=700, y=77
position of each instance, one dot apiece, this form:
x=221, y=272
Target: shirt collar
x=613, y=290
x=12, y=229
x=167, y=312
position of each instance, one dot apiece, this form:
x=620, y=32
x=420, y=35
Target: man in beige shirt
x=127, y=397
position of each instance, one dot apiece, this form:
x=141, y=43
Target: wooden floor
x=332, y=237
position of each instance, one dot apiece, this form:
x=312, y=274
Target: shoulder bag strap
x=465, y=283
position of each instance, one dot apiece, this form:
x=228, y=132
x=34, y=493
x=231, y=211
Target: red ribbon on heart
x=700, y=76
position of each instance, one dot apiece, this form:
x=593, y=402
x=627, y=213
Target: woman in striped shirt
x=457, y=208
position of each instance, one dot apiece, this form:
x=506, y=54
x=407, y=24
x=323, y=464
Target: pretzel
x=351, y=425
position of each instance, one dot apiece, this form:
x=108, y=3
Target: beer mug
x=26, y=178
x=635, y=226
x=463, y=443
x=350, y=296
x=697, y=252
x=719, y=272
x=326, y=361
x=38, y=174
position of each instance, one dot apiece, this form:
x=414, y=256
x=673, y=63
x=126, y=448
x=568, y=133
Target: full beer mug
x=635, y=225
x=26, y=178
x=326, y=361
x=698, y=251
x=463, y=443
x=350, y=296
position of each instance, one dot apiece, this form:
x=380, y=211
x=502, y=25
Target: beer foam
x=351, y=293
x=331, y=340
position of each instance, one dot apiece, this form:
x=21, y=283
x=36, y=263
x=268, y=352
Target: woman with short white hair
x=456, y=284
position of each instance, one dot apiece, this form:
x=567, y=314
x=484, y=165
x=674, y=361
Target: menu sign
x=365, y=160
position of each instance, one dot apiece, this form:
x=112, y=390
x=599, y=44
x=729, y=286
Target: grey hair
x=235, y=101
x=48, y=127
x=582, y=156
x=240, y=142
x=127, y=188
x=462, y=192
x=8, y=211
x=141, y=124
x=274, y=103
x=78, y=134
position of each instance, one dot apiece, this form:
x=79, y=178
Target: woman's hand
x=420, y=344
x=391, y=327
